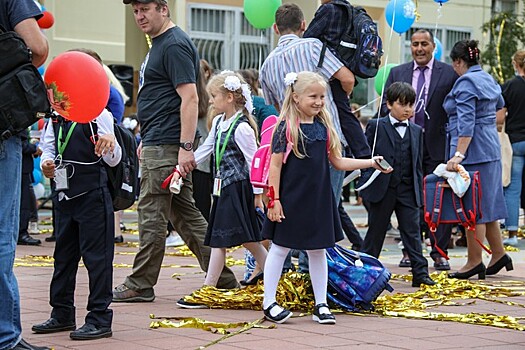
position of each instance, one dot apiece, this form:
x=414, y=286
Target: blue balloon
x=440, y=1
x=402, y=13
x=41, y=69
x=438, y=51
x=37, y=176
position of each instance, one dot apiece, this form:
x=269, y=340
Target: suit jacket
x=441, y=82
x=385, y=146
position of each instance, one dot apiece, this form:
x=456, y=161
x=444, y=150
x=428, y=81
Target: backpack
x=443, y=206
x=360, y=47
x=260, y=166
x=123, y=181
x=355, y=279
x=24, y=95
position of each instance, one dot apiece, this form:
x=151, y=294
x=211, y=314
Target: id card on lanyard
x=219, y=153
x=61, y=179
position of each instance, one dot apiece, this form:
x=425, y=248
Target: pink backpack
x=261, y=159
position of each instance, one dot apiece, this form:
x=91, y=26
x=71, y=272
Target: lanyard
x=62, y=145
x=219, y=154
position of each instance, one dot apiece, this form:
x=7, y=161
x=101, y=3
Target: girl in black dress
x=302, y=210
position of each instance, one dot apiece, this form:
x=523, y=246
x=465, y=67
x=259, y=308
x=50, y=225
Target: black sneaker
x=189, y=305
x=281, y=317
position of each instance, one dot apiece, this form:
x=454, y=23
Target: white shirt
x=401, y=130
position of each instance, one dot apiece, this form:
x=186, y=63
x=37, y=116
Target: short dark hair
x=466, y=50
x=402, y=92
x=425, y=31
x=289, y=17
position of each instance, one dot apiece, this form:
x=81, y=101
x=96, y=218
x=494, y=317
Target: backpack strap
x=321, y=55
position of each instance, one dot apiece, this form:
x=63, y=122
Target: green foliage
x=507, y=35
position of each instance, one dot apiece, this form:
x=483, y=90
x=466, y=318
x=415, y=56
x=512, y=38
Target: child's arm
x=349, y=164
x=275, y=210
x=347, y=79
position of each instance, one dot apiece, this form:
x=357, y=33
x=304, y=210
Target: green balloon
x=261, y=13
x=382, y=76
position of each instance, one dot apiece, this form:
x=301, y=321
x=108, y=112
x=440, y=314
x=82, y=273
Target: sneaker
x=33, y=228
x=174, y=240
x=512, y=241
x=122, y=293
x=189, y=305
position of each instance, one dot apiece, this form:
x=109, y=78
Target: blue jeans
x=513, y=191
x=10, y=185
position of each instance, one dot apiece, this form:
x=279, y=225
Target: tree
x=507, y=35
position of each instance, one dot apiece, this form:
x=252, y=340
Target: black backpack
x=123, y=178
x=23, y=94
x=360, y=47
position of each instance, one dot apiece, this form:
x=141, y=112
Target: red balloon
x=46, y=21
x=80, y=86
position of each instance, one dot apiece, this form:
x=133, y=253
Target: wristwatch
x=187, y=146
x=459, y=154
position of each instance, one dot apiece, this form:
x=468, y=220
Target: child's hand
x=276, y=212
x=104, y=145
x=382, y=165
x=258, y=201
x=48, y=168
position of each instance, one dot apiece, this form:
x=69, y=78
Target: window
x=225, y=39
x=499, y=6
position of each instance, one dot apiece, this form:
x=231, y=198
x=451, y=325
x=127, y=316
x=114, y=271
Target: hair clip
x=232, y=83
x=290, y=78
x=246, y=93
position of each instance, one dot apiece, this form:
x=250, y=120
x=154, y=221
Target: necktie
x=420, y=97
x=399, y=124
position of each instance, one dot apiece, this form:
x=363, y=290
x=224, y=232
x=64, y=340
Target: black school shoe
x=23, y=345
x=89, y=331
x=279, y=318
x=328, y=318
x=53, y=325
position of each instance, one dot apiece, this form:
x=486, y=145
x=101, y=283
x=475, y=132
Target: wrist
x=459, y=155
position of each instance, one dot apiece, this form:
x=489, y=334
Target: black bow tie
x=399, y=124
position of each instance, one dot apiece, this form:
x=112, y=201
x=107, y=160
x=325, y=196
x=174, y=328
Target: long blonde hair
x=290, y=113
x=216, y=83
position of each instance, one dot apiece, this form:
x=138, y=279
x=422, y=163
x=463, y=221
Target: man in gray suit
x=432, y=81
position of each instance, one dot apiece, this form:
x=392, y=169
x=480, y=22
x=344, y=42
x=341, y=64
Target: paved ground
x=131, y=321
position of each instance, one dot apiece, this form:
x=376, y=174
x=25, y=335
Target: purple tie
x=420, y=97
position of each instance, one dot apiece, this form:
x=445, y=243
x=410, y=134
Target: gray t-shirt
x=172, y=60
x=13, y=12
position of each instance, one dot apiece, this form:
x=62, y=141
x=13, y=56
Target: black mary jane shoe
x=253, y=281
x=281, y=317
x=479, y=270
x=504, y=261
x=323, y=318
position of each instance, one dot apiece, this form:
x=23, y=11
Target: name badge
x=61, y=180
x=217, y=187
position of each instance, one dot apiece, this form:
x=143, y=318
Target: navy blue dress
x=311, y=216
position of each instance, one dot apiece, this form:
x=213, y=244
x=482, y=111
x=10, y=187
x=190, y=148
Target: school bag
x=443, y=206
x=355, y=279
x=123, y=181
x=260, y=166
x=360, y=47
x=24, y=95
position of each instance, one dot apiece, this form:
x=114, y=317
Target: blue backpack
x=355, y=279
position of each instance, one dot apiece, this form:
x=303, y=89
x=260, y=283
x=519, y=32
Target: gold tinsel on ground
x=294, y=292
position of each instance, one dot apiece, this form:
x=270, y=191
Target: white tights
x=218, y=259
x=274, y=265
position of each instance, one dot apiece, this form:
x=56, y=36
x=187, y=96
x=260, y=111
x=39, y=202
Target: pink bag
x=261, y=159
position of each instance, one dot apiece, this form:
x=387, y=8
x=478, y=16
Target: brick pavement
x=131, y=321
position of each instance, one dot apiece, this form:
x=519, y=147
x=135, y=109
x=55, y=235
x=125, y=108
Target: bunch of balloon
x=400, y=15
x=261, y=13
x=381, y=77
x=438, y=51
x=80, y=86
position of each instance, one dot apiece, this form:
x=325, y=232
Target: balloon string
x=260, y=51
x=390, y=37
x=439, y=14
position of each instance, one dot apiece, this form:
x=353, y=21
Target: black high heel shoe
x=504, y=261
x=252, y=281
x=479, y=270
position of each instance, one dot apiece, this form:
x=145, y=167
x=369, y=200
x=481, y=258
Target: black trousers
x=84, y=229
x=400, y=199
x=350, y=125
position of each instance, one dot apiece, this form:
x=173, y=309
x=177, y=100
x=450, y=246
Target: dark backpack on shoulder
x=123, y=181
x=360, y=47
x=23, y=94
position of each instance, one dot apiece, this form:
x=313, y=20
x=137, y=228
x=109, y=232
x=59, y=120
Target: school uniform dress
x=311, y=217
x=471, y=105
x=233, y=220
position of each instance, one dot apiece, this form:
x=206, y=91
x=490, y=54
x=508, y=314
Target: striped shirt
x=294, y=54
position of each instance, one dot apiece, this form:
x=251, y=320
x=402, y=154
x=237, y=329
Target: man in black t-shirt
x=167, y=110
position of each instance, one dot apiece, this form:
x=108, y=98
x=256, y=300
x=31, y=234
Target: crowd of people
x=200, y=127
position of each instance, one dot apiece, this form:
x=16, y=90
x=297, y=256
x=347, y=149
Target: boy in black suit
x=401, y=145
